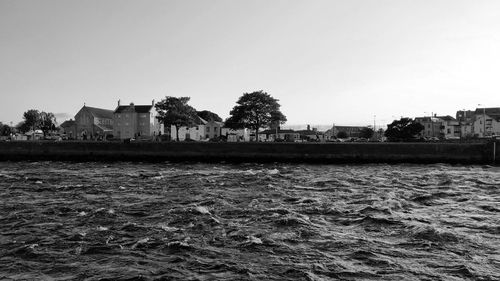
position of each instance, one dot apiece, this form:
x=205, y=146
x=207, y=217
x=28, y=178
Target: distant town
x=146, y=122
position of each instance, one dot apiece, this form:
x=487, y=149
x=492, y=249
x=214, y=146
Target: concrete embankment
x=465, y=153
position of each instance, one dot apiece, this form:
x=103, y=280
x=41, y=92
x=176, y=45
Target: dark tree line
x=37, y=120
x=405, y=129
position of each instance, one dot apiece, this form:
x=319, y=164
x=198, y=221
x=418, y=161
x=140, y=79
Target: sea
x=275, y=221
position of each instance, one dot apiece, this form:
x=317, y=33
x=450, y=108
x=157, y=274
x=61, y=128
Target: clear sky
x=327, y=62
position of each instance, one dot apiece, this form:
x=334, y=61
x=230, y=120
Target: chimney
x=118, y=102
x=153, y=102
x=308, y=127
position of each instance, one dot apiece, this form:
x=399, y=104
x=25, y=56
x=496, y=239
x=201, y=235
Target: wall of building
x=193, y=133
x=84, y=124
x=485, y=126
x=213, y=130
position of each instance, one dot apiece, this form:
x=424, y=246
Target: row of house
x=126, y=121
x=139, y=121
x=479, y=123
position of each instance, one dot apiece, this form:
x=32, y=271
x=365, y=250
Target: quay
x=454, y=153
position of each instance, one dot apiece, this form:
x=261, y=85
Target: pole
x=494, y=151
x=374, y=127
x=484, y=122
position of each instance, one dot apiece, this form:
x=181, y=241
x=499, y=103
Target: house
x=432, y=126
x=213, y=129
x=486, y=122
x=311, y=134
x=93, y=123
x=465, y=120
x=351, y=131
x=236, y=135
x=450, y=127
x=279, y=134
x=69, y=128
x=197, y=132
x=135, y=121
x=443, y=127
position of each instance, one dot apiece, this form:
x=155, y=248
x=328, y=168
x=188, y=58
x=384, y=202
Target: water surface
x=171, y=221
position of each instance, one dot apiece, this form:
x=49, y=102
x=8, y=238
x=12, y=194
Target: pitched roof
x=446, y=118
x=99, y=112
x=492, y=111
x=104, y=127
x=309, y=132
x=137, y=108
x=68, y=123
x=273, y=131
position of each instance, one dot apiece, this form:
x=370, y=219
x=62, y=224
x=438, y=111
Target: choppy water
x=129, y=221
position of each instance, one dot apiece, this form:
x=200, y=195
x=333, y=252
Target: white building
x=486, y=122
x=197, y=132
x=236, y=135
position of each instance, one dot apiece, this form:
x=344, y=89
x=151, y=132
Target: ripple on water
x=136, y=221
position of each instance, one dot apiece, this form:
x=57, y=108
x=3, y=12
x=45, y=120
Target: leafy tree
x=342, y=135
x=254, y=111
x=47, y=122
x=177, y=112
x=22, y=127
x=32, y=119
x=404, y=129
x=366, y=133
x=5, y=129
x=209, y=116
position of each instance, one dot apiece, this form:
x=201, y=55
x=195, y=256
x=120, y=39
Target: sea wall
x=466, y=153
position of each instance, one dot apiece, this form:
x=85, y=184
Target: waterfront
x=188, y=221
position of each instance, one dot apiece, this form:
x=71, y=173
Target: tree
x=32, y=119
x=5, y=130
x=47, y=122
x=366, y=133
x=404, y=129
x=254, y=111
x=177, y=112
x=342, y=135
x=209, y=116
x=22, y=127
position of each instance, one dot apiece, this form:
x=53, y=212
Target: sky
x=349, y=62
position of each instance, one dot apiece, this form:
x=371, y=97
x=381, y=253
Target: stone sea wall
x=465, y=153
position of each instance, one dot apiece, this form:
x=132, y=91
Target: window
x=208, y=129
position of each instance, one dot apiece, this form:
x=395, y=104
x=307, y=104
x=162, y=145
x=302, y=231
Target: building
x=69, y=129
x=93, y=123
x=432, y=126
x=486, y=122
x=311, y=134
x=443, y=127
x=197, y=132
x=135, y=121
x=450, y=127
x=279, y=134
x=465, y=120
x=213, y=129
x=240, y=135
x=351, y=131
